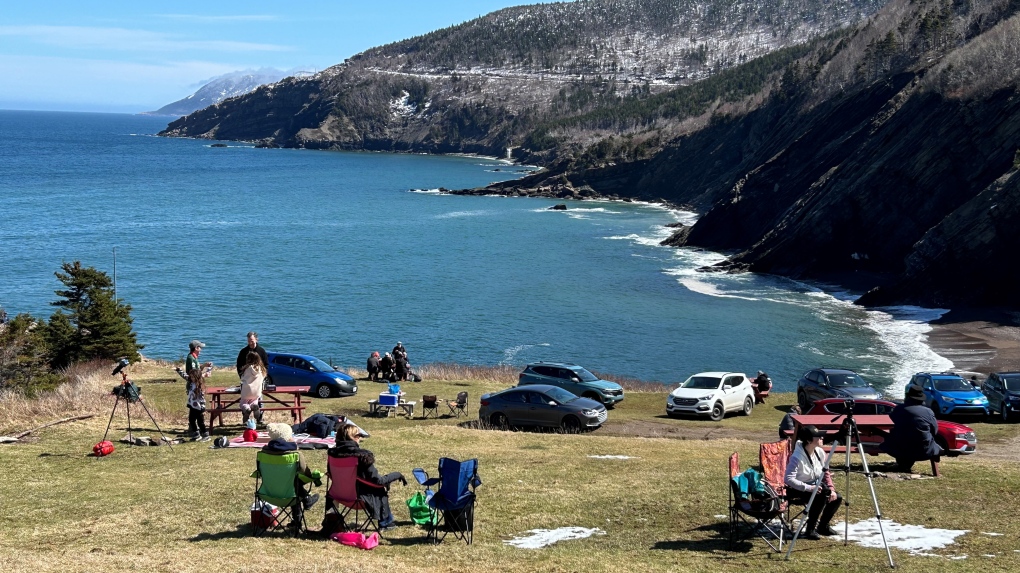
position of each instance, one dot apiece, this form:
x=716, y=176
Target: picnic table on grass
x=873, y=428
x=281, y=399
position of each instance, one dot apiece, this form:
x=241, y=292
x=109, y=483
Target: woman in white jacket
x=252, y=378
x=803, y=472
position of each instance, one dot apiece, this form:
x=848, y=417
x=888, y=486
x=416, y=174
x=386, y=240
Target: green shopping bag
x=421, y=513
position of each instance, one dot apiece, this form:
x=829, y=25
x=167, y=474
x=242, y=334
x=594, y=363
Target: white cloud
x=127, y=40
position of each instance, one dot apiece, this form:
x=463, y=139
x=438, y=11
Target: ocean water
x=338, y=254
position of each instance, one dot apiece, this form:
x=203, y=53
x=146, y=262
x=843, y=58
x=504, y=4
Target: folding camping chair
x=754, y=503
x=458, y=407
x=453, y=500
x=773, y=457
x=342, y=483
x=429, y=404
x=275, y=490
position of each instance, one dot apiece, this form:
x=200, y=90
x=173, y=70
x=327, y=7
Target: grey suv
x=572, y=378
x=832, y=383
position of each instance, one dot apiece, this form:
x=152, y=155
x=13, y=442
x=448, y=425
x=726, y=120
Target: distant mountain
x=220, y=88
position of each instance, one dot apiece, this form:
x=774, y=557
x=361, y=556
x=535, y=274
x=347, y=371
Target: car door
x=281, y=369
x=569, y=381
x=304, y=373
x=732, y=397
x=544, y=375
x=816, y=389
x=515, y=407
x=930, y=396
x=993, y=390
x=541, y=411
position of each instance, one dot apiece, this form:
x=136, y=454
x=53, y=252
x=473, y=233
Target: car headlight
x=590, y=413
x=704, y=398
x=967, y=436
x=946, y=399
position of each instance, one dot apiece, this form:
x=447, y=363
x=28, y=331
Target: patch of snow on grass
x=540, y=538
x=916, y=539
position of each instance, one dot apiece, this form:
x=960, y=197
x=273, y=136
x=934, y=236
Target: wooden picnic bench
x=273, y=400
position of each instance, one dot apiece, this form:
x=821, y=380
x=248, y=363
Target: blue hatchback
x=288, y=370
x=948, y=393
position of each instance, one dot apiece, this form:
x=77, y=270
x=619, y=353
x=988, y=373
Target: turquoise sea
x=338, y=254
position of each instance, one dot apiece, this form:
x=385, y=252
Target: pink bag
x=356, y=539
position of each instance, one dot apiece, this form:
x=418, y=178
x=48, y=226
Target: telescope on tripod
x=130, y=394
x=853, y=439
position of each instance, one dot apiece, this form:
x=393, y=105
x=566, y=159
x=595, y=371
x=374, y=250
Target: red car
x=955, y=439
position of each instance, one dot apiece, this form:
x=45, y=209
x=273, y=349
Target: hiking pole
x=814, y=492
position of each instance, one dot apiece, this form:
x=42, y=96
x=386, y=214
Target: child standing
x=196, y=406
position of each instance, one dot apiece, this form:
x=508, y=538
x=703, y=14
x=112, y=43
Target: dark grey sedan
x=541, y=405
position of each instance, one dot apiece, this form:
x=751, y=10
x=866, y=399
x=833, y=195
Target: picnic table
x=281, y=399
x=376, y=409
x=873, y=428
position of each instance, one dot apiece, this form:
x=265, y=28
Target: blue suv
x=948, y=393
x=572, y=378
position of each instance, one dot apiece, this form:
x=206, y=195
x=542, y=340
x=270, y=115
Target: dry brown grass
x=81, y=393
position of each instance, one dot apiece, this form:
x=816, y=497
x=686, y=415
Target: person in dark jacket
x=252, y=346
x=788, y=423
x=376, y=499
x=281, y=443
x=401, y=367
x=373, y=366
x=386, y=367
x=912, y=438
x=399, y=351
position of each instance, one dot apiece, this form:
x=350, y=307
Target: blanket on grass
x=303, y=441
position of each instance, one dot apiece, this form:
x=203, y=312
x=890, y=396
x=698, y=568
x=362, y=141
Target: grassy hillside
x=186, y=509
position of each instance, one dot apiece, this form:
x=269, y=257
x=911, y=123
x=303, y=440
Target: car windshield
x=560, y=395
x=584, y=375
x=951, y=385
x=321, y=366
x=849, y=380
x=701, y=383
x=1012, y=383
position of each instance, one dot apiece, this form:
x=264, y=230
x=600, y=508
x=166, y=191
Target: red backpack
x=103, y=448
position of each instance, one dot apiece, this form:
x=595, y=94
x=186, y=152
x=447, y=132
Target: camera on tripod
x=126, y=389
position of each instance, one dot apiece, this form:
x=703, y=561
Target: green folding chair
x=275, y=485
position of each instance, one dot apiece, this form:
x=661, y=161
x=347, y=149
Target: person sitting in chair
x=912, y=438
x=376, y=499
x=281, y=443
x=804, y=470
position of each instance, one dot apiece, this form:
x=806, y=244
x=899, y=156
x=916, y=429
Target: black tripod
x=128, y=392
x=853, y=437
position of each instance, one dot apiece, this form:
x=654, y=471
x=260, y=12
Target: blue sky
x=137, y=56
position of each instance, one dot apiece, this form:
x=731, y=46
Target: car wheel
x=936, y=409
x=803, y=401
x=945, y=447
x=571, y=425
x=748, y=406
x=500, y=421
x=323, y=391
x=1004, y=411
x=592, y=396
x=717, y=412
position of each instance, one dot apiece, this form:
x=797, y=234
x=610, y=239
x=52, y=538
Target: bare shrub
x=83, y=391
x=988, y=63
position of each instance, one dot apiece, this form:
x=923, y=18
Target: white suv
x=712, y=394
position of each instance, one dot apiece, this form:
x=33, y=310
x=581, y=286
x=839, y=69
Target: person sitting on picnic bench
x=281, y=442
x=252, y=379
x=912, y=437
x=377, y=499
x=804, y=470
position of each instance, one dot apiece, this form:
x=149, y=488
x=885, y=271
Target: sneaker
x=204, y=439
x=310, y=500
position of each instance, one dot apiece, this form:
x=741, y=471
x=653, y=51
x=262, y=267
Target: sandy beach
x=978, y=342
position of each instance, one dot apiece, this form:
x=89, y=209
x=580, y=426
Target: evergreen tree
x=24, y=354
x=95, y=325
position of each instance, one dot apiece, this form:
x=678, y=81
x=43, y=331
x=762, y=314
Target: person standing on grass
x=252, y=380
x=191, y=364
x=252, y=346
x=196, y=406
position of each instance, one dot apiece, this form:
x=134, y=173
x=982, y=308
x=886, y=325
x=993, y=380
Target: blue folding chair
x=453, y=500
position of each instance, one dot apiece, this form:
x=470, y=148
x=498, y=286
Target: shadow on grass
x=242, y=530
x=718, y=545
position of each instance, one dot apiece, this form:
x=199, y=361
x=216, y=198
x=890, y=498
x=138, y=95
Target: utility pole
x=115, y=274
